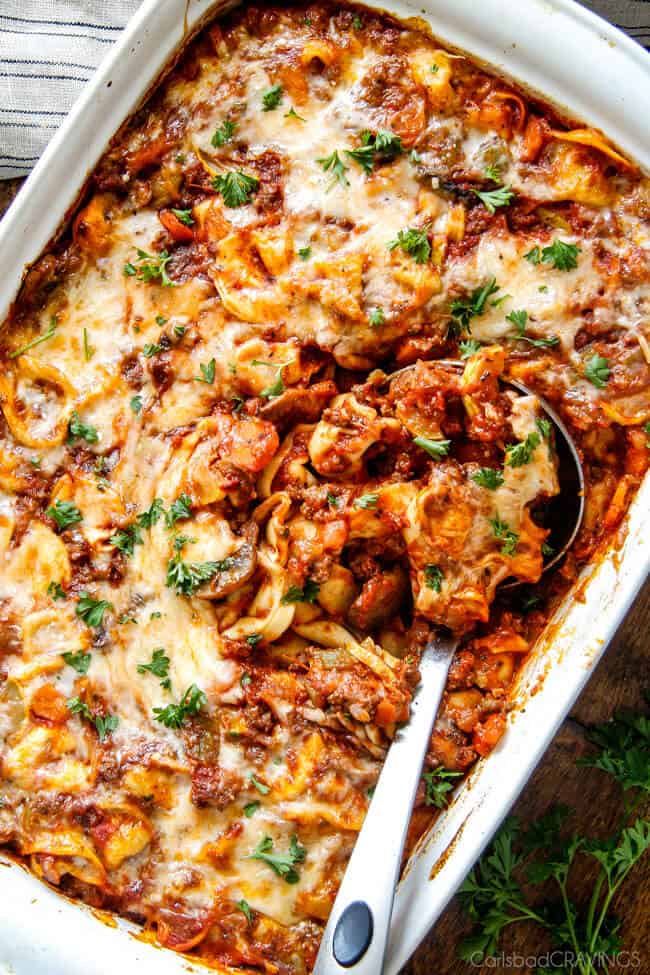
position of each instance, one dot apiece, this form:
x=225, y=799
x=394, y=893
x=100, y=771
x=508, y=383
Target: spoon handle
x=357, y=931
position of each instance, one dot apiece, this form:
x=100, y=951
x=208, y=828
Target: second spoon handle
x=357, y=930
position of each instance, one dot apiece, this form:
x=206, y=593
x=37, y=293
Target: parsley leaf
x=174, y=715
x=106, y=725
x=64, y=513
x=276, y=388
x=272, y=98
x=78, y=661
x=304, y=252
x=150, y=349
x=499, y=197
x=302, y=594
x=186, y=577
x=503, y=531
x=223, y=134
x=88, y=349
x=519, y=320
x=376, y=317
x=150, y=267
x=245, y=908
x=522, y=453
x=159, y=667
x=185, y=216
x=334, y=164
x=292, y=113
x=468, y=348
x=473, y=306
x=434, y=448
x=488, y=477
x=84, y=431
x=136, y=404
x=207, y=372
x=152, y=515
x=126, y=539
x=437, y=786
x=562, y=256
x=433, y=576
x=179, y=509
x=414, y=242
x=56, y=590
x=366, y=501
x=281, y=863
x=261, y=788
x=90, y=610
x=384, y=144
x=597, y=371
x=251, y=808
x=236, y=187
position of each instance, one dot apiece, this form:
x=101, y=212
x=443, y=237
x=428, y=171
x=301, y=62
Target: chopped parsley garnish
x=519, y=319
x=562, y=256
x=434, y=69
x=597, y=371
x=236, y=187
x=253, y=639
x=251, y=808
x=83, y=431
x=261, y=788
x=376, y=317
x=56, y=590
x=492, y=172
x=304, y=252
x=433, y=576
x=136, y=404
x=126, y=539
x=37, y=341
x=78, y=661
x=547, y=550
x=332, y=500
x=464, y=309
x=245, y=680
x=245, y=908
x=491, y=199
x=105, y=724
x=276, y=388
x=522, y=453
x=272, y=98
x=90, y=610
x=367, y=501
x=468, y=348
x=434, y=448
x=159, y=667
x=185, y=216
x=302, y=594
x=384, y=144
x=281, y=863
x=64, y=513
x=544, y=427
x=88, y=349
x=437, y=786
x=414, y=242
x=647, y=431
x=207, y=372
x=174, y=715
x=151, y=349
x=161, y=320
x=223, y=134
x=489, y=478
x=150, y=267
x=292, y=113
x=152, y=515
x=179, y=509
x=502, y=530
x=186, y=577
x=357, y=22
x=334, y=164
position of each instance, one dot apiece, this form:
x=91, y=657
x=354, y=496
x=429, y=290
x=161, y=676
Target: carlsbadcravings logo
x=555, y=960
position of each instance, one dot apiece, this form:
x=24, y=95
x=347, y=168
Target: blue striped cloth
x=49, y=48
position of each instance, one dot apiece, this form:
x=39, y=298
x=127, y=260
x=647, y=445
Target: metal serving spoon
x=356, y=935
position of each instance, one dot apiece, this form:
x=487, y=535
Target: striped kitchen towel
x=48, y=48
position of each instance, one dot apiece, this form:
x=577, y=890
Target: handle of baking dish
x=355, y=939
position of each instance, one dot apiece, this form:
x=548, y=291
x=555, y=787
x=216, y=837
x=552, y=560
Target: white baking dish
x=577, y=61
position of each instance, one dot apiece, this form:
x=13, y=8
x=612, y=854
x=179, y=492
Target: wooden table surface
x=620, y=681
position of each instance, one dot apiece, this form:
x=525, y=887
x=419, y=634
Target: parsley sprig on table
x=493, y=894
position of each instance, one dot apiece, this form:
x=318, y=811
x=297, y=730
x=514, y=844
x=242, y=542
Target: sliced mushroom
x=238, y=569
x=298, y=405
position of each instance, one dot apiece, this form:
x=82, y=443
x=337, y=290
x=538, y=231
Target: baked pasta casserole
x=231, y=517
